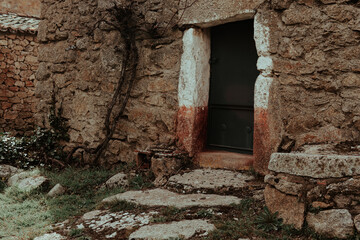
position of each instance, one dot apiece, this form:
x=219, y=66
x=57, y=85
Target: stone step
x=211, y=181
x=175, y=230
x=162, y=197
x=224, y=160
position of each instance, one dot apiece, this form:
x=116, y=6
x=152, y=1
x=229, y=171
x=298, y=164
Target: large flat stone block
x=183, y=229
x=161, y=197
x=314, y=165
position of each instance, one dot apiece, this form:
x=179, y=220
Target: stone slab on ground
x=289, y=208
x=210, y=179
x=334, y=223
x=182, y=229
x=162, y=197
x=315, y=165
x=100, y=221
x=224, y=160
x=51, y=236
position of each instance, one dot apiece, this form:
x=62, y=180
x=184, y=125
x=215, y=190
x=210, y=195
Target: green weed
x=141, y=181
x=83, y=192
x=268, y=221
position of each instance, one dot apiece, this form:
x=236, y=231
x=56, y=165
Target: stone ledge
x=314, y=165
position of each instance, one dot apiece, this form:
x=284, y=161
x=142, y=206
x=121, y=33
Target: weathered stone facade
x=18, y=64
x=306, y=91
x=85, y=63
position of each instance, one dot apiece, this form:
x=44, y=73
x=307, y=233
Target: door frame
x=194, y=82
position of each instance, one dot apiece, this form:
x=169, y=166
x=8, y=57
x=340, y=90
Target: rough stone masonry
x=307, y=90
x=18, y=64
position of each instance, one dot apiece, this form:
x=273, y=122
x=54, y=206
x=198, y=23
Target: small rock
x=334, y=223
x=289, y=207
x=6, y=171
x=318, y=204
x=50, y=236
x=357, y=222
x=111, y=235
x=56, y=190
x=342, y=201
x=164, y=167
x=283, y=185
x=258, y=194
x=117, y=180
x=351, y=186
x=183, y=229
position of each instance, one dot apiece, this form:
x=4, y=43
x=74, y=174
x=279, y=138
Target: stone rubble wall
x=84, y=62
x=330, y=206
x=316, y=71
x=314, y=64
x=321, y=190
x=311, y=58
x=18, y=64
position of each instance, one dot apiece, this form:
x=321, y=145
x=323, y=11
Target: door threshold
x=224, y=160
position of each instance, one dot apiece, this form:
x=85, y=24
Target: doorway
x=232, y=81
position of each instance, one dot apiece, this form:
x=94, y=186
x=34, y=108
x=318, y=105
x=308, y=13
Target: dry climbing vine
x=122, y=19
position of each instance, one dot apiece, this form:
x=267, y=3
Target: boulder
x=290, y=209
x=334, y=223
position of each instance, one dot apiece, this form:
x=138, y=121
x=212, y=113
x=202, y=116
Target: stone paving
x=184, y=229
x=209, y=179
x=140, y=225
x=162, y=197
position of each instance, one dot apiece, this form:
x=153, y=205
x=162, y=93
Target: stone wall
x=18, y=64
x=28, y=8
x=319, y=189
x=307, y=91
x=314, y=65
x=81, y=61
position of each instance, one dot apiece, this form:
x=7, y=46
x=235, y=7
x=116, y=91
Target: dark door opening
x=233, y=75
